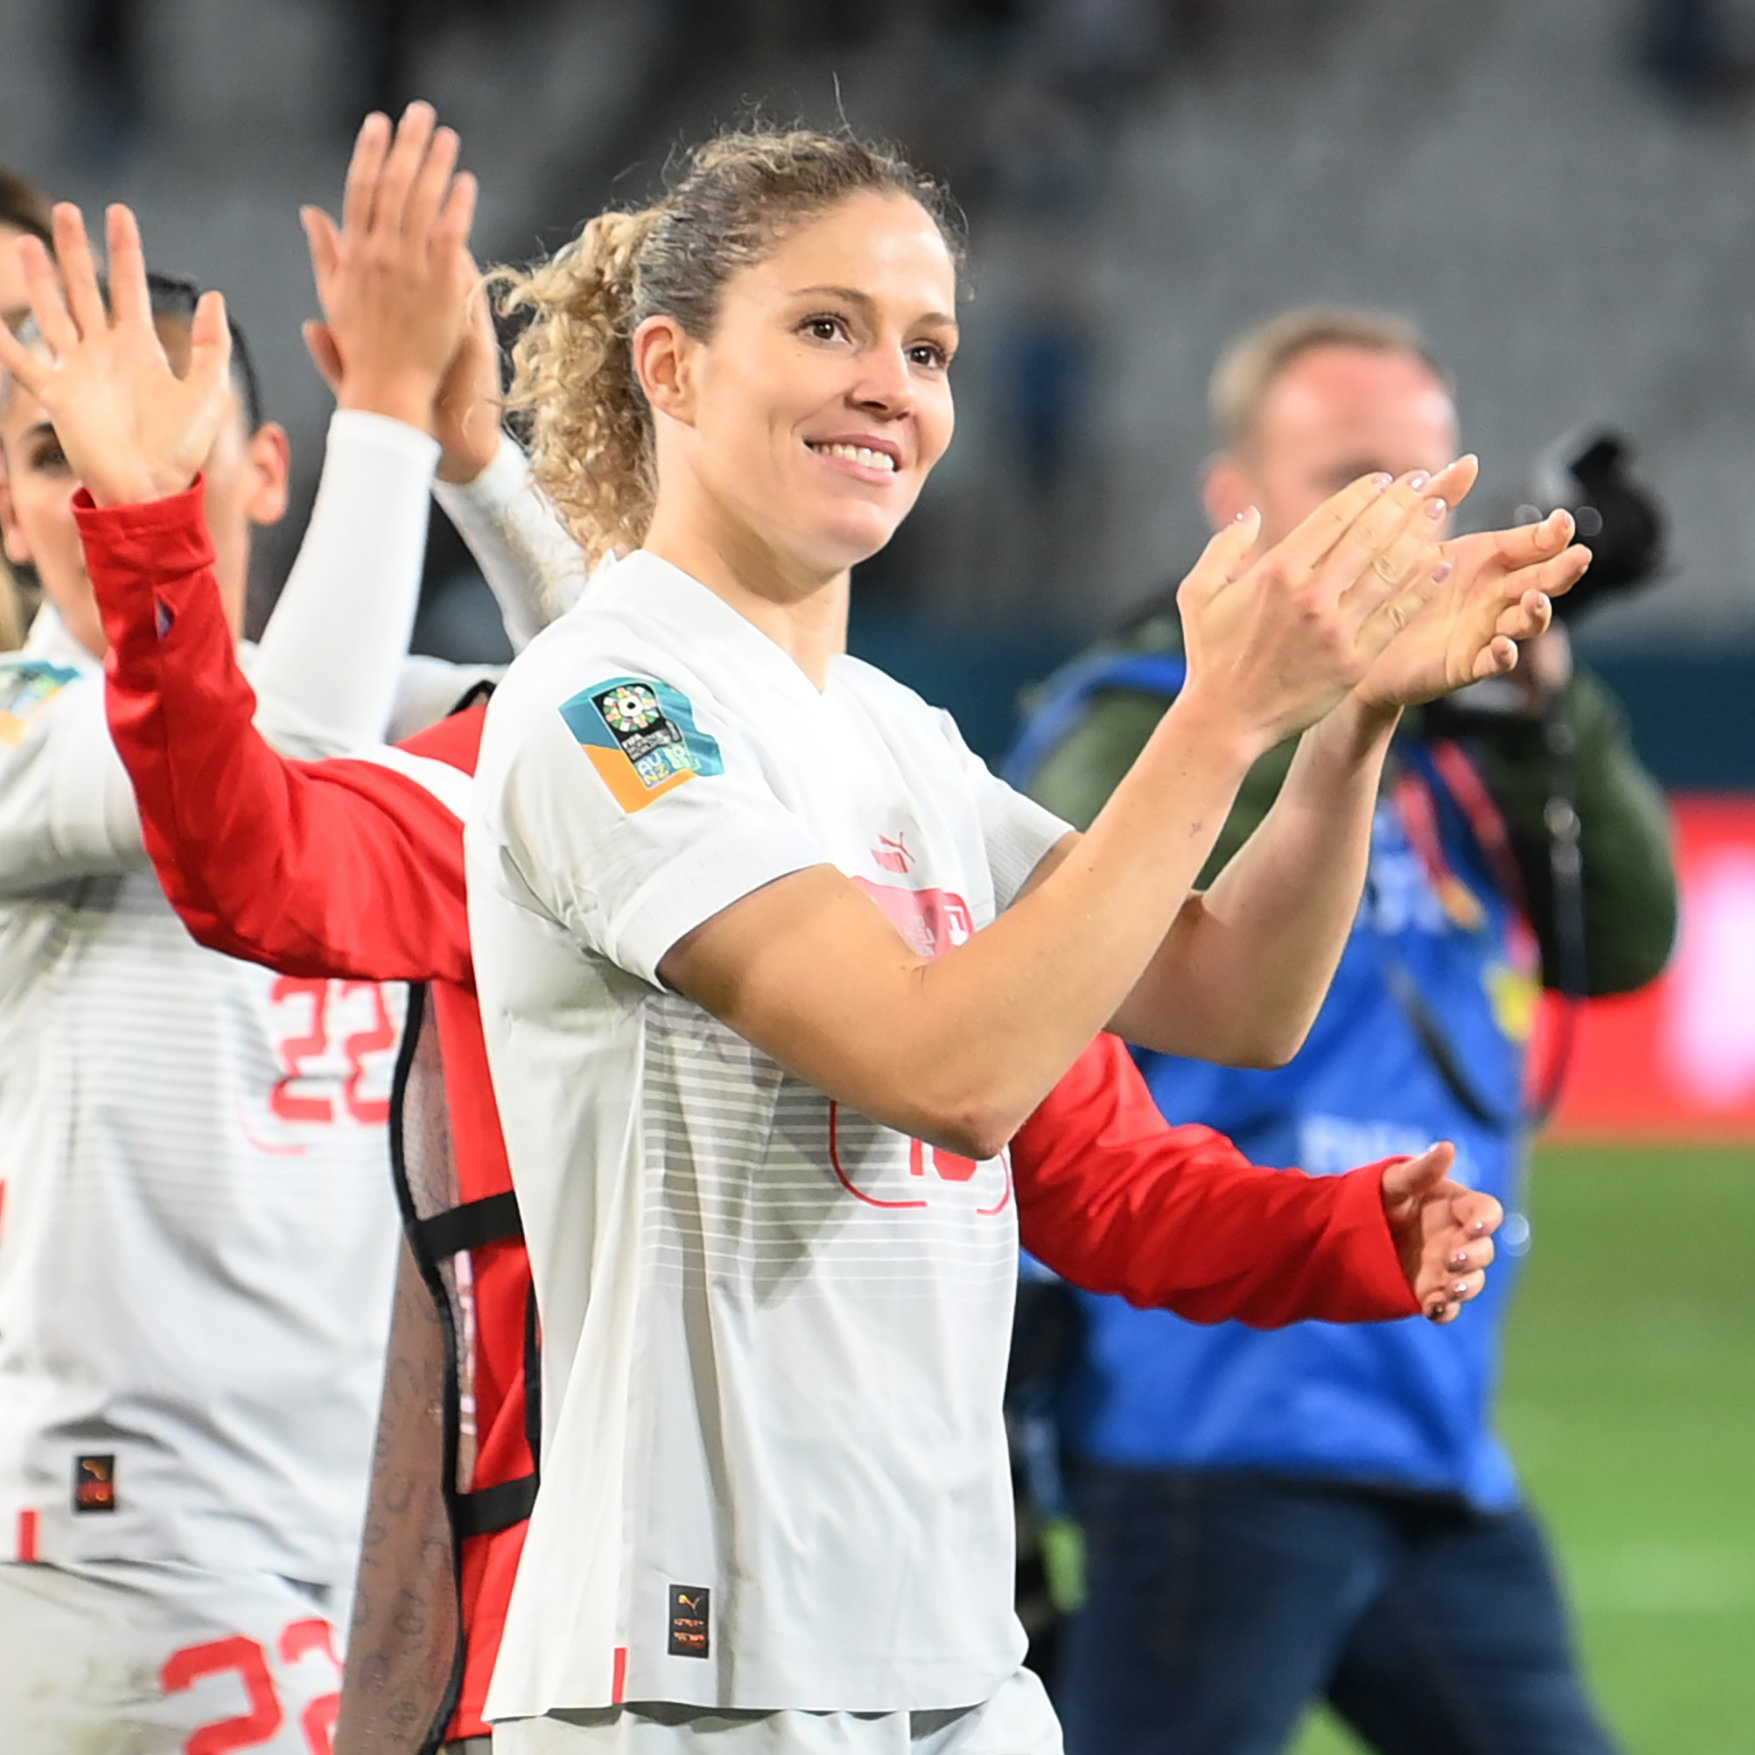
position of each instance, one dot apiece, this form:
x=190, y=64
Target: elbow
x=1256, y=1045
x=1272, y=1052
x=977, y=1124
x=969, y=1135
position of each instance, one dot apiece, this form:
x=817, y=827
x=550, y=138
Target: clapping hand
x=1276, y=640
x=395, y=277
x=1443, y=1231
x=1498, y=592
x=132, y=429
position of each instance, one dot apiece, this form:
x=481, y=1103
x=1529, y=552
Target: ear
x=12, y=537
x=1226, y=490
x=269, y=458
x=664, y=362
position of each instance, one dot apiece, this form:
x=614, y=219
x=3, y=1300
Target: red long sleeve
x=1115, y=1199
x=346, y=868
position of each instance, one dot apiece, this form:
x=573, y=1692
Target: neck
x=802, y=611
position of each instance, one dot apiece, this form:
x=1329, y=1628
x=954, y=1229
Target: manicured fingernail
x=1461, y=1289
x=1418, y=480
x=1478, y=1229
x=1442, y=571
x=1436, y=1312
x=1459, y=1262
x=1382, y=480
x=1436, y=509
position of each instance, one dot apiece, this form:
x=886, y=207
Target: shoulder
x=594, y=689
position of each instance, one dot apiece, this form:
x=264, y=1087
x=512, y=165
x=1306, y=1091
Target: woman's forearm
x=1244, y=971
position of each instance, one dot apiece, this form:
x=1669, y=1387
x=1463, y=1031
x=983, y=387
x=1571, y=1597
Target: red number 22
x=298, y=1049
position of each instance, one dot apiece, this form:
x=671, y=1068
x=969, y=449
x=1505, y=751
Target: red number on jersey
x=947, y=1166
x=183, y=1669
x=318, y=1719
x=379, y=1037
x=310, y=1041
x=295, y=1050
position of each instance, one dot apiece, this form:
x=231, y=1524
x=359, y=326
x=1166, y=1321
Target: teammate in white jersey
x=196, y=1236
x=771, y=967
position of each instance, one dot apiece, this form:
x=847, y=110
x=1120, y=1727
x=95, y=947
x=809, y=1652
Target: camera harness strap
x=1445, y=768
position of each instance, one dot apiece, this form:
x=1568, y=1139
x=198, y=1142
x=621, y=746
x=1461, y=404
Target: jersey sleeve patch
x=24, y=690
x=641, y=738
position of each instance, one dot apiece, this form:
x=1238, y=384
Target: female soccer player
x=195, y=1257
x=758, y=1037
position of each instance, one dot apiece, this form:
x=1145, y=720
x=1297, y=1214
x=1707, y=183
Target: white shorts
x=126, y=1658
x=1015, y=1720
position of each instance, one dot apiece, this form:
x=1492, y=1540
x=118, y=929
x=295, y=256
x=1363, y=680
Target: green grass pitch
x=1629, y=1404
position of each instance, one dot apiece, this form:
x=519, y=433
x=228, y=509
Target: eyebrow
x=853, y=296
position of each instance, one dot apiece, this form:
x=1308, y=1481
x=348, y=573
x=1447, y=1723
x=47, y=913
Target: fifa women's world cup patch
x=641, y=737
x=24, y=688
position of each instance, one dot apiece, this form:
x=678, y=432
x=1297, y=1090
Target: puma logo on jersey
x=893, y=855
x=688, y=1620
x=94, y=1483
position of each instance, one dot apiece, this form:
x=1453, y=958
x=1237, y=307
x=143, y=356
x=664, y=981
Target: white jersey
x=774, y=1332
x=197, y=1235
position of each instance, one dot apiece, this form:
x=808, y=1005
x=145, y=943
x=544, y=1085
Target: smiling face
x=245, y=484
x=803, y=428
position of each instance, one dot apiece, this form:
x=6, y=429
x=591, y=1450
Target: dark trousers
x=1221, y=1607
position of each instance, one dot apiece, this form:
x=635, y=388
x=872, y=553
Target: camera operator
x=1276, y=1519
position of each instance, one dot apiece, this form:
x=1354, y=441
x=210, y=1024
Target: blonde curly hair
x=573, y=379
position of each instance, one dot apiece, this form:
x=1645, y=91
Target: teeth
x=858, y=454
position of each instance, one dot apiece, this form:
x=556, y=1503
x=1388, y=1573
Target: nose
x=884, y=386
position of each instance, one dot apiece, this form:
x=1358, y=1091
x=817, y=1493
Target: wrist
x=462, y=463
x=1224, y=740
x=1358, y=730
x=398, y=399
x=137, y=487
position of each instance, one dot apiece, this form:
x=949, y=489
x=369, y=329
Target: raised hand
x=1443, y=1231
x=1498, y=592
x=1276, y=641
x=394, y=278
x=468, y=409
x=131, y=428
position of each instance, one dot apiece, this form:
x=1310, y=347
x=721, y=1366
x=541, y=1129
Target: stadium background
x=1563, y=192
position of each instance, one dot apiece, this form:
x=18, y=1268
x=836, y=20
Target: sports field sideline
x=1630, y=1406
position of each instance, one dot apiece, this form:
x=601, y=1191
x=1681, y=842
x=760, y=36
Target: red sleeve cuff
x=1375, y=1269
x=166, y=537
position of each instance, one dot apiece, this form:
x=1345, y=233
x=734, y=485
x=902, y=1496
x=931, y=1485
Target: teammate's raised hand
x=394, y=278
x=1277, y=640
x=470, y=403
x=1443, y=1231
x=131, y=428
x=1498, y=592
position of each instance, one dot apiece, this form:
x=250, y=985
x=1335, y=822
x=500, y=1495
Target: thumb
x=325, y=355
x=1412, y=1178
x=1225, y=556
x=324, y=242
